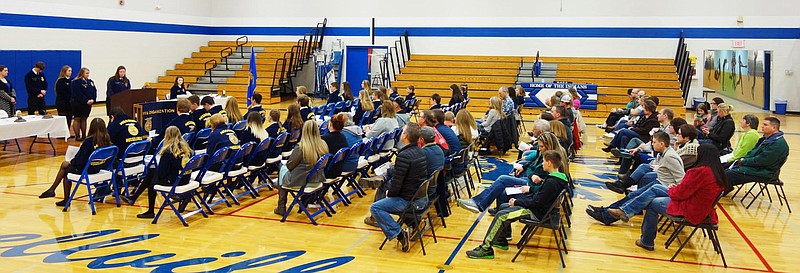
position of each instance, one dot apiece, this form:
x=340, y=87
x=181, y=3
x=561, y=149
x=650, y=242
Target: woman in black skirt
x=63, y=94
x=84, y=93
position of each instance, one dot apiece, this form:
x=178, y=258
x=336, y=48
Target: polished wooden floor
x=36, y=236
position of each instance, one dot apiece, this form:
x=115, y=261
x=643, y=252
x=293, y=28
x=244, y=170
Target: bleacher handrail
x=239, y=44
x=208, y=70
x=222, y=55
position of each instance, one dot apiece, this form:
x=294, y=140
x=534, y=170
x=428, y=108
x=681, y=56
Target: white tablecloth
x=34, y=126
x=218, y=100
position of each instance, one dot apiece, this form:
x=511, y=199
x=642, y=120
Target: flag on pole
x=251, y=88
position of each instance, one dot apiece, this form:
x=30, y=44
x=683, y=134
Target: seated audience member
x=436, y=101
x=508, y=103
x=686, y=145
x=529, y=175
x=232, y=109
x=465, y=128
x=184, y=120
x=691, y=199
x=347, y=92
x=576, y=99
x=449, y=119
x=256, y=106
x=411, y=95
x=566, y=101
x=495, y=114
x=540, y=126
x=747, y=140
x=175, y=154
x=275, y=128
x=217, y=109
x=427, y=118
x=194, y=103
x=520, y=96
x=723, y=129
x=633, y=115
x=294, y=121
x=98, y=138
x=533, y=205
x=560, y=113
x=617, y=113
x=254, y=131
x=386, y=123
x=335, y=140
x=393, y=93
x=301, y=90
x=353, y=134
x=702, y=116
x=401, y=116
x=221, y=136
x=455, y=95
x=667, y=167
x=448, y=134
x=377, y=100
x=558, y=129
x=554, y=99
x=363, y=107
x=640, y=149
x=334, y=95
x=302, y=160
x=407, y=175
x=305, y=111
x=547, y=116
x=465, y=90
x=764, y=160
x=639, y=130
x=201, y=115
x=714, y=105
x=124, y=130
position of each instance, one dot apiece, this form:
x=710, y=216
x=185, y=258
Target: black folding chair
x=707, y=226
x=412, y=215
x=551, y=220
x=763, y=186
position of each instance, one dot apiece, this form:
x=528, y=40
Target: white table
x=34, y=126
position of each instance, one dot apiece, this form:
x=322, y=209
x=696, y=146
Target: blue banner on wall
x=539, y=92
x=19, y=62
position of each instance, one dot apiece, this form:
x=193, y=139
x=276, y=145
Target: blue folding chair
x=338, y=107
x=363, y=161
x=237, y=177
x=365, y=118
x=347, y=105
x=323, y=128
x=132, y=164
x=177, y=194
x=319, y=111
x=201, y=139
x=274, y=157
x=293, y=140
x=104, y=179
x=329, y=109
x=335, y=183
x=188, y=136
x=257, y=168
x=307, y=195
x=240, y=126
x=208, y=179
x=349, y=175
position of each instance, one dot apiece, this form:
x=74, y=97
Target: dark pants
x=35, y=104
x=613, y=118
x=736, y=178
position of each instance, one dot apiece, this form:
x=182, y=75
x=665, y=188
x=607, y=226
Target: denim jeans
x=621, y=124
x=497, y=191
x=650, y=225
x=381, y=212
x=622, y=138
x=619, y=203
x=642, y=199
x=643, y=175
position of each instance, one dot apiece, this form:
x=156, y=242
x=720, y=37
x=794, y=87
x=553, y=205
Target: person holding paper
x=98, y=138
x=124, y=131
x=747, y=140
x=531, y=205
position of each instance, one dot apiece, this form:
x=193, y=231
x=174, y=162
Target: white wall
x=145, y=55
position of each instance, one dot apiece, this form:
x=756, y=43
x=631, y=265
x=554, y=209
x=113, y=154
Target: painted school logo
x=25, y=247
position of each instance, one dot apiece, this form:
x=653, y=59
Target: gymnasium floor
x=759, y=239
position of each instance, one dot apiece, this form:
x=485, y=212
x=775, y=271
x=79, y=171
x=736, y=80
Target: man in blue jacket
x=36, y=85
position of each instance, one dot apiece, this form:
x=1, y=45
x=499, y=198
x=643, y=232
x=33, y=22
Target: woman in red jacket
x=692, y=198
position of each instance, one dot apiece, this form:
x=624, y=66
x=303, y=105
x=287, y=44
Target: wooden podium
x=128, y=98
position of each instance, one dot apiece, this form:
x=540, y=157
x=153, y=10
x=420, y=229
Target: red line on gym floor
x=746, y=240
x=248, y=205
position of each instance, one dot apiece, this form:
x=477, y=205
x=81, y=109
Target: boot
x=281, y=208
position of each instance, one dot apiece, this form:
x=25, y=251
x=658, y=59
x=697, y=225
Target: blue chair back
x=218, y=157
x=397, y=133
x=321, y=163
x=104, y=156
x=295, y=136
x=136, y=149
x=195, y=163
x=366, y=148
x=238, y=156
x=365, y=118
x=329, y=109
x=338, y=107
x=188, y=137
x=201, y=138
x=375, y=116
x=323, y=128
x=340, y=156
x=384, y=138
x=276, y=148
x=239, y=126
x=320, y=109
x=348, y=104
x=262, y=148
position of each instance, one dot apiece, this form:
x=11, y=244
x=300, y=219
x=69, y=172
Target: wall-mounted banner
x=539, y=92
x=738, y=74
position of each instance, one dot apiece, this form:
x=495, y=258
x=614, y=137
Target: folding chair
x=200, y=140
x=208, y=179
x=776, y=182
x=307, y=195
x=518, y=117
x=257, y=170
x=323, y=128
x=458, y=160
x=365, y=118
x=239, y=126
x=319, y=111
x=338, y=107
x=474, y=158
x=707, y=226
x=178, y=194
x=188, y=136
x=414, y=110
x=134, y=159
x=412, y=215
x=335, y=184
x=103, y=157
x=274, y=156
x=551, y=220
x=293, y=140
x=349, y=176
x=236, y=177
x=329, y=108
x=433, y=197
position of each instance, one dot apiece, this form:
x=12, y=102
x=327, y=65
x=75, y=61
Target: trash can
x=698, y=100
x=780, y=106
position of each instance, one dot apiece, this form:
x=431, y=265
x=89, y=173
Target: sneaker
x=601, y=126
x=371, y=221
x=609, y=135
x=501, y=245
x=481, y=253
x=402, y=237
x=619, y=214
x=640, y=244
x=597, y=215
x=469, y=205
x=146, y=215
x=47, y=194
x=594, y=208
x=372, y=182
x=492, y=211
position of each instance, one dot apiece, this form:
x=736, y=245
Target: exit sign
x=738, y=43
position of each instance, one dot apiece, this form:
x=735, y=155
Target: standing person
x=302, y=160
x=36, y=85
x=456, y=95
x=178, y=88
x=335, y=96
x=232, y=109
x=175, y=154
x=409, y=172
x=117, y=83
x=83, y=95
x=98, y=138
x=347, y=93
x=8, y=96
x=63, y=93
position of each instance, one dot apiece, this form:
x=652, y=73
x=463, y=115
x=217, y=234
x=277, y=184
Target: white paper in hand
x=382, y=169
x=516, y=165
x=513, y=190
x=523, y=146
x=152, y=134
x=726, y=157
x=71, y=152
